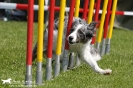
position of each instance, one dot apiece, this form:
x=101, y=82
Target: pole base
x=65, y=61
x=107, y=50
x=57, y=66
x=103, y=47
x=48, y=75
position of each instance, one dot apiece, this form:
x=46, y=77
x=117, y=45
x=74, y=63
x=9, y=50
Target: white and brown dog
x=79, y=40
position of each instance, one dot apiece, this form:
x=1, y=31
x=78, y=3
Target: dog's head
x=81, y=32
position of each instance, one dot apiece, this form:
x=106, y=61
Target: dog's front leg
x=90, y=61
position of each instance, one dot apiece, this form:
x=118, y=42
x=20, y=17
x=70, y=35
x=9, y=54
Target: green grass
x=13, y=55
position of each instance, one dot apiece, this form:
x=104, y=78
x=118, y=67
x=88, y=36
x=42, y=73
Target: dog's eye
x=80, y=32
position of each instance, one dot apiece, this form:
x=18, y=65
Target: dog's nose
x=70, y=38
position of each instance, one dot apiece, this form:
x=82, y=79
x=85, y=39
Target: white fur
x=84, y=52
x=74, y=33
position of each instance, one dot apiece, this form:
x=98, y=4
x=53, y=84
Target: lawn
x=13, y=56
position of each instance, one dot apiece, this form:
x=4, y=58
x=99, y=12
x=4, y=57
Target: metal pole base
x=28, y=76
x=98, y=46
x=39, y=73
x=48, y=75
x=103, y=47
x=107, y=50
x=65, y=61
x=57, y=66
x=28, y=80
x=39, y=77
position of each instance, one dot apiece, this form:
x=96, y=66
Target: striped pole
x=28, y=76
x=96, y=16
x=67, y=9
x=90, y=14
x=40, y=43
x=70, y=19
x=106, y=28
x=59, y=38
x=101, y=24
x=111, y=26
x=50, y=41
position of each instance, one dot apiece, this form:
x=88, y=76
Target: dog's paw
x=107, y=72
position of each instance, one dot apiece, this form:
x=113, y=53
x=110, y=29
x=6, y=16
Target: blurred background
x=123, y=22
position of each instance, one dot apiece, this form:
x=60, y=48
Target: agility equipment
x=111, y=27
x=106, y=28
x=96, y=16
x=40, y=42
x=70, y=19
x=28, y=76
x=59, y=38
x=88, y=14
x=48, y=75
x=101, y=25
x=4, y=5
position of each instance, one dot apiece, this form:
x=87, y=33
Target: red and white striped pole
x=25, y=6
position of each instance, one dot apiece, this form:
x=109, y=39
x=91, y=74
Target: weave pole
x=85, y=9
x=97, y=10
x=90, y=14
x=50, y=41
x=28, y=76
x=40, y=43
x=70, y=19
x=101, y=24
x=59, y=37
x=111, y=26
x=96, y=16
x=106, y=28
x=77, y=5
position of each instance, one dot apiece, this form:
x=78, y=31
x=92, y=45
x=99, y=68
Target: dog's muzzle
x=70, y=40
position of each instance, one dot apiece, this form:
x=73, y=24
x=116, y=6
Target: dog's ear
x=91, y=29
x=92, y=26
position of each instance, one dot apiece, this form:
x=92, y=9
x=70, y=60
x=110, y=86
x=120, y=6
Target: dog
x=79, y=39
x=7, y=81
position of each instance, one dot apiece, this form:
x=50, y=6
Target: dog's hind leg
x=90, y=61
